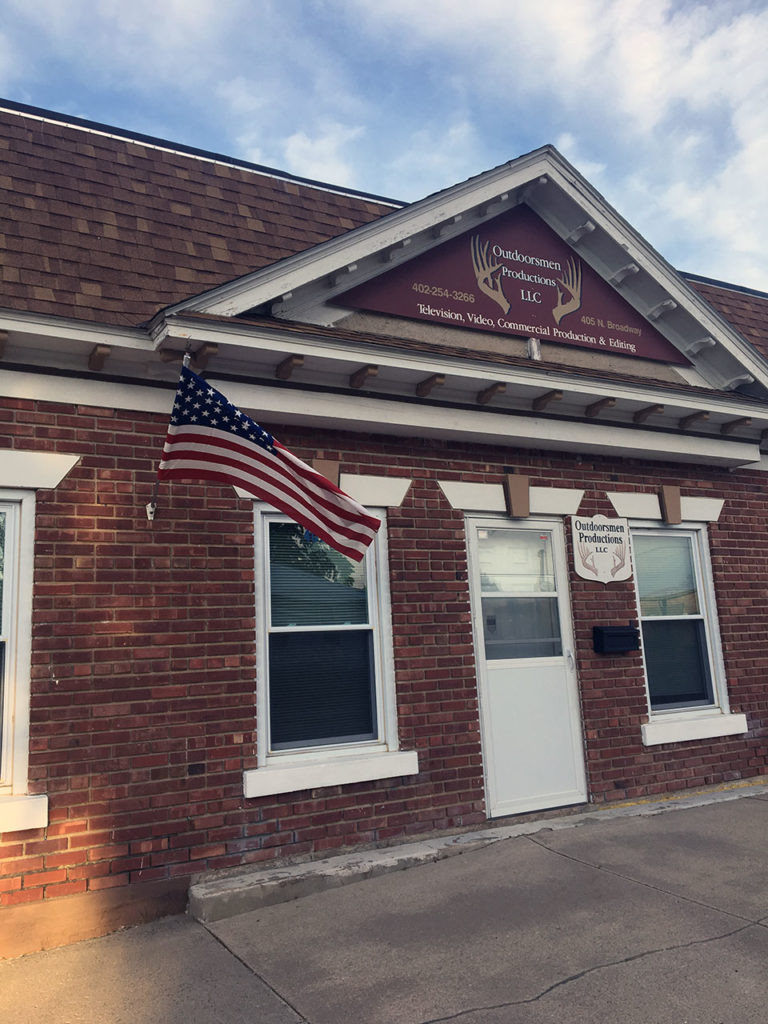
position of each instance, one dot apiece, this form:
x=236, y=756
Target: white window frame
x=697, y=722
x=283, y=771
x=21, y=474
x=18, y=809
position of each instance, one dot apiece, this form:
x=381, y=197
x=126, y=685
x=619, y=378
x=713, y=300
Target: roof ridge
x=725, y=285
x=165, y=145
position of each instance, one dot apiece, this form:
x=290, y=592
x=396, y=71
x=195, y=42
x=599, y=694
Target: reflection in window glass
x=516, y=562
x=675, y=646
x=310, y=583
x=322, y=665
x=521, y=627
x=2, y=564
x=666, y=577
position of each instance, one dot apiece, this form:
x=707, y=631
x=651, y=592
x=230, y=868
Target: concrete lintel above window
x=472, y=497
x=688, y=726
x=34, y=470
x=339, y=771
x=371, y=491
x=19, y=813
x=634, y=505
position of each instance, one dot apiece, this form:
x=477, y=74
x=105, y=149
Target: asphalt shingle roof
x=107, y=228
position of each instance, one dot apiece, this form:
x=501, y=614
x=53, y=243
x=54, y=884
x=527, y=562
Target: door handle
x=571, y=660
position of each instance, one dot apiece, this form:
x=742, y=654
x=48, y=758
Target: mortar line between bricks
x=587, y=971
x=301, y=1019
x=637, y=881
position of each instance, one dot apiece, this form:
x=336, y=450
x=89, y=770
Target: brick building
x=562, y=437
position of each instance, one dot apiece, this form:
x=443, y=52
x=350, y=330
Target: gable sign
x=514, y=275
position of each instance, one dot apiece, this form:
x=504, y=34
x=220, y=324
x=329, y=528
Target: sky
x=661, y=104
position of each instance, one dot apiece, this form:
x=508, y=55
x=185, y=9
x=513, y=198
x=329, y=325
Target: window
x=519, y=597
x=322, y=644
x=21, y=473
x=325, y=704
x=681, y=647
x=17, y=809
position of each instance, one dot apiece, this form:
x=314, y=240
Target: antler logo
x=488, y=273
x=602, y=549
x=570, y=282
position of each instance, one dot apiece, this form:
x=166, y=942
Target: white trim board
x=472, y=497
x=342, y=771
x=356, y=413
x=32, y=470
x=633, y=505
x=692, y=727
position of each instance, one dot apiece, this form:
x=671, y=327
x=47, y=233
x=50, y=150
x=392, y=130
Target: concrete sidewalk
x=628, y=915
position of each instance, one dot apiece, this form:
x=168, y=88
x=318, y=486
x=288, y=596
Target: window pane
x=516, y=562
x=521, y=627
x=311, y=584
x=665, y=575
x=2, y=564
x=677, y=663
x=321, y=688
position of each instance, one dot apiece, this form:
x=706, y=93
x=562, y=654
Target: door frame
x=473, y=522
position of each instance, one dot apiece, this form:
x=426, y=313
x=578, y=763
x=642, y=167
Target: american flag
x=211, y=439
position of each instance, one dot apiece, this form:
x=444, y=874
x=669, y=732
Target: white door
x=531, y=720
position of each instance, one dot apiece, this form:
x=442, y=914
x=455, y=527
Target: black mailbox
x=615, y=639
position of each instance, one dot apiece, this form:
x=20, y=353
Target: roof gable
x=307, y=286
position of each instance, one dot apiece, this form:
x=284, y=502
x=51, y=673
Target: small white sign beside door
x=601, y=548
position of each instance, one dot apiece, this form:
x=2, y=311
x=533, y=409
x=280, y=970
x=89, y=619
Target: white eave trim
x=357, y=413
x=306, y=267
x=383, y=416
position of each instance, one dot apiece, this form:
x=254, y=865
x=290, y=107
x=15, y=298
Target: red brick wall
x=142, y=716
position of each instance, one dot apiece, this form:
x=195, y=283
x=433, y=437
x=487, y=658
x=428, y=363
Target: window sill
x=18, y=813
x=690, y=726
x=339, y=771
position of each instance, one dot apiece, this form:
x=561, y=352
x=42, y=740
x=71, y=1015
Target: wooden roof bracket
x=594, y=410
x=199, y=359
x=544, y=400
x=696, y=417
x=650, y=410
x=733, y=425
x=661, y=308
x=578, y=233
x=359, y=377
x=98, y=356
x=483, y=397
x=284, y=369
x=623, y=272
x=424, y=387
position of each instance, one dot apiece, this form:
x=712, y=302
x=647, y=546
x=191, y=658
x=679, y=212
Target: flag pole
x=151, y=506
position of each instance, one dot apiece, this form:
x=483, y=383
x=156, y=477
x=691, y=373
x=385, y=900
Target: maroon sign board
x=514, y=275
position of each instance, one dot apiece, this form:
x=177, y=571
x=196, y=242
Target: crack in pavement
x=587, y=971
x=647, y=885
x=300, y=1018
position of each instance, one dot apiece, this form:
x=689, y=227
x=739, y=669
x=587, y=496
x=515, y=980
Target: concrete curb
x=213, y=898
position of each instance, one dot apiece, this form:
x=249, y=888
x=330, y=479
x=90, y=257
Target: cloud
x=660, y=103
x=319, y=156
